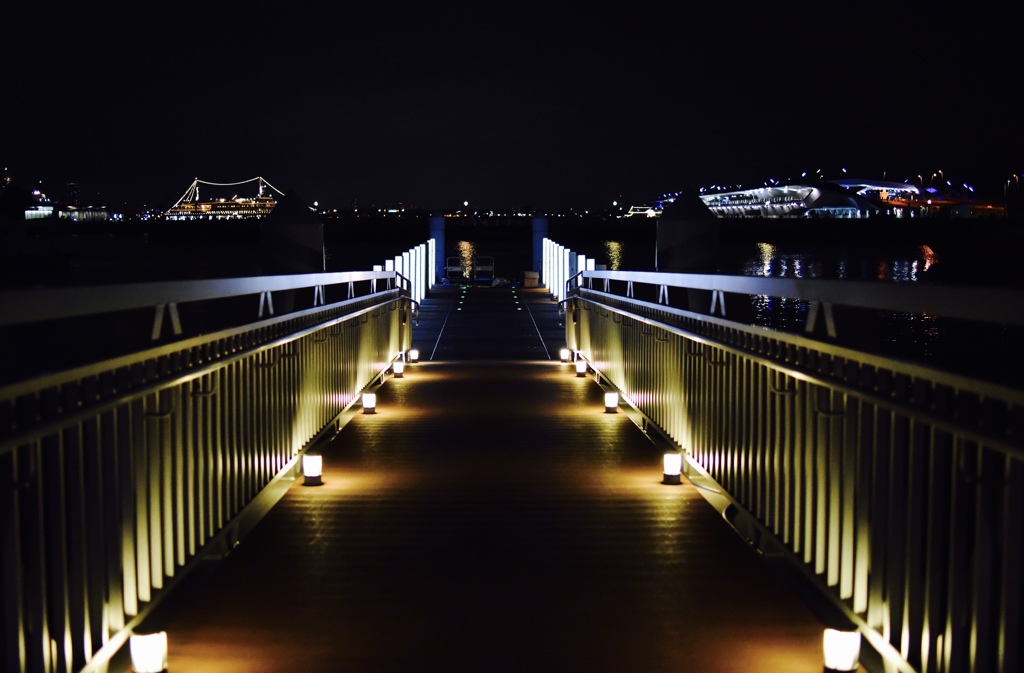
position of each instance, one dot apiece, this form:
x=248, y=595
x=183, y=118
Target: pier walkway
x=490, y=517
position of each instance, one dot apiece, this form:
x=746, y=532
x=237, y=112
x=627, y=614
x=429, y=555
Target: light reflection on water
x=772, y=261
x=780, y=313
x=613, y=251
x=909, y=335
x=467, y=252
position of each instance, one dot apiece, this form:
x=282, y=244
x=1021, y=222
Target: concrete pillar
x=540, y=232
x=687, y=238
x=437, y=233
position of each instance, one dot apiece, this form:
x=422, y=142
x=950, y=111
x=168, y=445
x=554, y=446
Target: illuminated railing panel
x=118, y=476
x=897, y=488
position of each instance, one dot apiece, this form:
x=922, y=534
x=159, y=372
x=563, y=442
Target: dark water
x=980, y=253
x=977, y=253
x=964, y=252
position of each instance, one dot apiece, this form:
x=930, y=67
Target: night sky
x=503, y=106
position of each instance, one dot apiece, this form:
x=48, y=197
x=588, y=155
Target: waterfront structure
x=44, y=208
x=846, y=198
x=49, y=211
x=191, y=207
x=150, y=444
x=775, y=201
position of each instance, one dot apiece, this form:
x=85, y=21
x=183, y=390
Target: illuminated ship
x=190, y=207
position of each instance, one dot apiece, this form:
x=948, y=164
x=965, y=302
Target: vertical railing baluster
x=862, y=446
x=985, y=592
x=916, y=544
x=79, y=629
x=1011, y=619
x=182, y=466
x=39, y=655
x=14, y=590
x=55, y=555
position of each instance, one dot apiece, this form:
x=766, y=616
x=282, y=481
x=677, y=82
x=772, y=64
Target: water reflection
x=767, y=251
x=912, y=336
x=780, y=313
x=613, y=250
x=773, y=261
x=467, y=252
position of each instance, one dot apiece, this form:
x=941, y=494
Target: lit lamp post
x=398, y=368
x=148, y=652
x=611, y=403
x=414, y=355
x=564, y=354
x=673, y=468
x=369, y=403
x=581, y=367
x=841, y=650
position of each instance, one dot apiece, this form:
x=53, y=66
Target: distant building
x=72, y=213
x=846, y=198
x=43, y=208
x=788, y=201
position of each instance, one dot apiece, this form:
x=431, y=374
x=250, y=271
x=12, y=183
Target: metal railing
x=896, y=487
x=117, y=476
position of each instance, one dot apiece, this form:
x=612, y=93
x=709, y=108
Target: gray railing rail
x=36, y=305
x=897, y=488
x=984, y=304
x=117, y=476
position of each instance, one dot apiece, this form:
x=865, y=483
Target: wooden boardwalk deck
x=491, y=517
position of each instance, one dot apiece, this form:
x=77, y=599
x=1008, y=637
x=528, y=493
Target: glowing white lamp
x=398, y=367
x=673, y=469
x=564, y=354
x=312, y=469
x=611, y=403
x=369, y=403
x=149, y=652
x=414, y=355
x=581, y=367
x=842, y=650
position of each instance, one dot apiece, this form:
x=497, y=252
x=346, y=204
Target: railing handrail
x=1006, y=444
x=40, y=304
x=985, y=304
x=56, y=379
x=577, y=278
x=895, y=489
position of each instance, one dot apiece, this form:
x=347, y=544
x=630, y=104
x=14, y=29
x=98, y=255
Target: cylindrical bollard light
x=841, y=650
x=673, y=468
x=148, y=652
x=312, y=469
